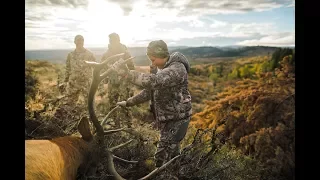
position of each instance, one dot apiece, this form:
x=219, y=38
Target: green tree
x=278, y=55
x=234, y=74
x=214, y=77
x=219, y=70
x=245, y=72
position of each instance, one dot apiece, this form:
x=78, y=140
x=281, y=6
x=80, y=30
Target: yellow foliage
x=221, y=128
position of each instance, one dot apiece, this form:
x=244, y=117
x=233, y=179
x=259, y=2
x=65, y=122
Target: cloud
x=293, y=4
x=125, y=5
x=139, y=22
x=217, y=24
x=262, y=28
x=276, y=39
x=64, y=3
x=196, y=23
x=228, y=7
x=205, y=41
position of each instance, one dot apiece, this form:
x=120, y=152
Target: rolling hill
x=59, y=56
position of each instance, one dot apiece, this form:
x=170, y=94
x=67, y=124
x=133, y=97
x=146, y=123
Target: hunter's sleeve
x=141, y=97
x=168, y=77
x=68, y=68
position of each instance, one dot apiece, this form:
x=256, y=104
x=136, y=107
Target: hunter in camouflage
x=78, y=74
x=118, y=89
x=168, y=91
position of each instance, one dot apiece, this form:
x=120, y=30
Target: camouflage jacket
x=77, y=71
x=113, y=50
x=172, y=100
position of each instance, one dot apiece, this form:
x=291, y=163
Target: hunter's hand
x=122, y=103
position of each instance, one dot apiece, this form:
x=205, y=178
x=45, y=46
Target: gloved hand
x=122, y=103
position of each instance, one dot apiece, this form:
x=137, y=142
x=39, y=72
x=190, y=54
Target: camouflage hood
x=182, y=59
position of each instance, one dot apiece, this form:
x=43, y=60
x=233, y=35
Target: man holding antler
x=168, y=91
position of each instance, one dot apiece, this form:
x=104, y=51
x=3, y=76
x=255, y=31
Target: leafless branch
x=157, y=170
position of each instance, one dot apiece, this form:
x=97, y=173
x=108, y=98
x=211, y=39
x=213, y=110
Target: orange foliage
x=258, y=116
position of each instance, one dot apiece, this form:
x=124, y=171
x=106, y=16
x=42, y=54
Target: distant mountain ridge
x=209, y=52
x=59, y=56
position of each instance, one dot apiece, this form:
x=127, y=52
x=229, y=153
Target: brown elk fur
x=59, y=158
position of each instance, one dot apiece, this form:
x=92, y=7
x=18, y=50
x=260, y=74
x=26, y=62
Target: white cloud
x=137, y=22
x=217, y=24
x=262, y=28
x=196, y=23
x=293, y=4
x=229, y=7
x=276, y=39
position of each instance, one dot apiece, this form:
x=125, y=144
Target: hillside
x=243, y=122
x=195, y=54
x=209, y=52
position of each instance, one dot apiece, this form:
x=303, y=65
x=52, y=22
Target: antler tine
x=93, y=89
x=111, y=58
x=105, y=119
x=97, y=78
x=113, y=131
x=121, y=61
x=112, y=170
x=124, y=160
x=98, y=66
x=119, y=146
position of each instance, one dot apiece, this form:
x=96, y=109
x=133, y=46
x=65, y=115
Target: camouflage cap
x=158, y=49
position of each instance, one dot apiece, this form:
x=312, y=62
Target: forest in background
x=243, y=118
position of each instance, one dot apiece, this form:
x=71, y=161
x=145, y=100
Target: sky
x=53, y=24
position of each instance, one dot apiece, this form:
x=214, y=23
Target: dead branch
x=157, y=170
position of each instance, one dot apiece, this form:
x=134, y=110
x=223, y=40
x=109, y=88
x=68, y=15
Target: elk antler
x=97, y=78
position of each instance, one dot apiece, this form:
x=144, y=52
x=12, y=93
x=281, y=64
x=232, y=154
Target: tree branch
x=157, y=170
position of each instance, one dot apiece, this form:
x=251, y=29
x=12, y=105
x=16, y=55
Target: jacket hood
x=178, y=57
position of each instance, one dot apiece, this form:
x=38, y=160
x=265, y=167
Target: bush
x=31, y=83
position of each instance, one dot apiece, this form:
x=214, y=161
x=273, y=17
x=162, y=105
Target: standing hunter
x=78, y=74
x=168, y=91
x=118, y=89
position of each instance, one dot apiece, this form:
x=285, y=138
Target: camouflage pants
x=77, y=95
x=171, y=135
x=116, y=93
